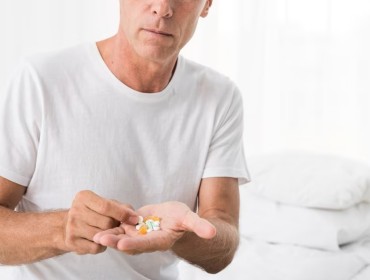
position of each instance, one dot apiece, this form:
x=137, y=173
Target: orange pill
x=143, y=230
x=153, y=218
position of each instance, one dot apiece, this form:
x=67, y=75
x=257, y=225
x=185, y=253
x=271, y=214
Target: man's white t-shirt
x=68, y=124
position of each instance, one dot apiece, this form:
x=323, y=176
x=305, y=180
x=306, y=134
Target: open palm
x=176, y=219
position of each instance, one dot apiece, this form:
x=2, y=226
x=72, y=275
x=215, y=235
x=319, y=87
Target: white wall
x=28, y=27
x=304, y=68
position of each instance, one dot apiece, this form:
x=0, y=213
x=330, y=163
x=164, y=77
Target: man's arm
x=219, y=204
x=25, y=237
x=30, y=237
x=208, y=240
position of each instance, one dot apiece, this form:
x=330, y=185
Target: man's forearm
x=30, y=237
x=212, y=255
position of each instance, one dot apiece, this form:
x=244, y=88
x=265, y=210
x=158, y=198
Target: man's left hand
x=176, y=219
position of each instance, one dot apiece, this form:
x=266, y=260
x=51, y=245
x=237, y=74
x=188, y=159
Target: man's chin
x=158, y=54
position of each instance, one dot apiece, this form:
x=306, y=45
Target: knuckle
x=80, y=195
x=76, y=201
x=85, y=192
x=104, y=206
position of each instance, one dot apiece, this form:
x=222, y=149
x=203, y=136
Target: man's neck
x=135, y=72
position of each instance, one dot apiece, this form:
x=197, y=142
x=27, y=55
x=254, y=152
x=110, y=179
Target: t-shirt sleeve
x=226, y=153
x=20, y=124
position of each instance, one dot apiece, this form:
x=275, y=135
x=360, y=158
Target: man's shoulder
x=208, y=79
x=206, y=73
x=49, y=62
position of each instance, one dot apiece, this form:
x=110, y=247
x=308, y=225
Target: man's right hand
x=90, y=214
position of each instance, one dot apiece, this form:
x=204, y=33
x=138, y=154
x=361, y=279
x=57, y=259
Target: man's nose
x=162, y=8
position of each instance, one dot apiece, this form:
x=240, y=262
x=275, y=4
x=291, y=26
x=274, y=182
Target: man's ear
x=206, y=7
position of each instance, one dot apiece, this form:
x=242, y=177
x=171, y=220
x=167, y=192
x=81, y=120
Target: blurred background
x=303, y=65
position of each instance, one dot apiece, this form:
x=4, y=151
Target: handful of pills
x=148, y=224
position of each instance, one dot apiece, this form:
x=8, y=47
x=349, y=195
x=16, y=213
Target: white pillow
x=271, y=221
x=311, y=180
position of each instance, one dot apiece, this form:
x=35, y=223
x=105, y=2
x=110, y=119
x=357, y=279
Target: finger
x=124, y=243
x=114, y=231
x=97, y=220
x=82, y=215
x=79, y=238
x=84, y=246
x=110, y=240
x=80, y=230
x=139, y=244
x=126, y=238
x=199, y=226
x=136, y=243
x=109, y=208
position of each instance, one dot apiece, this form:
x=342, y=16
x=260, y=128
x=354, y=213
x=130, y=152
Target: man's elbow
x=220, y=264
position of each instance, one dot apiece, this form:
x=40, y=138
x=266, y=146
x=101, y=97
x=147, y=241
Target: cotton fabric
x=68, y=124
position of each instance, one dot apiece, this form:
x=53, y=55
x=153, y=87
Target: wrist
x=58, y=231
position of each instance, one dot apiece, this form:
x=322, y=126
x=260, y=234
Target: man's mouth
x=159, y=32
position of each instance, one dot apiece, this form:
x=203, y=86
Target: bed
x=304, y=216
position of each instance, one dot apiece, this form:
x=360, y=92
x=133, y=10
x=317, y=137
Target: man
x=125, y=119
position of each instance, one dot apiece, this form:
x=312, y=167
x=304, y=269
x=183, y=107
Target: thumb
x=201, y=227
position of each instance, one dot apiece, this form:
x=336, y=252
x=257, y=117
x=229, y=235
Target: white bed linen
x=271, y=221
x=329, y=194
x=310, y=180
x=258, y=260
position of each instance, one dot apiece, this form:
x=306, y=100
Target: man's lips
x=159, y=32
